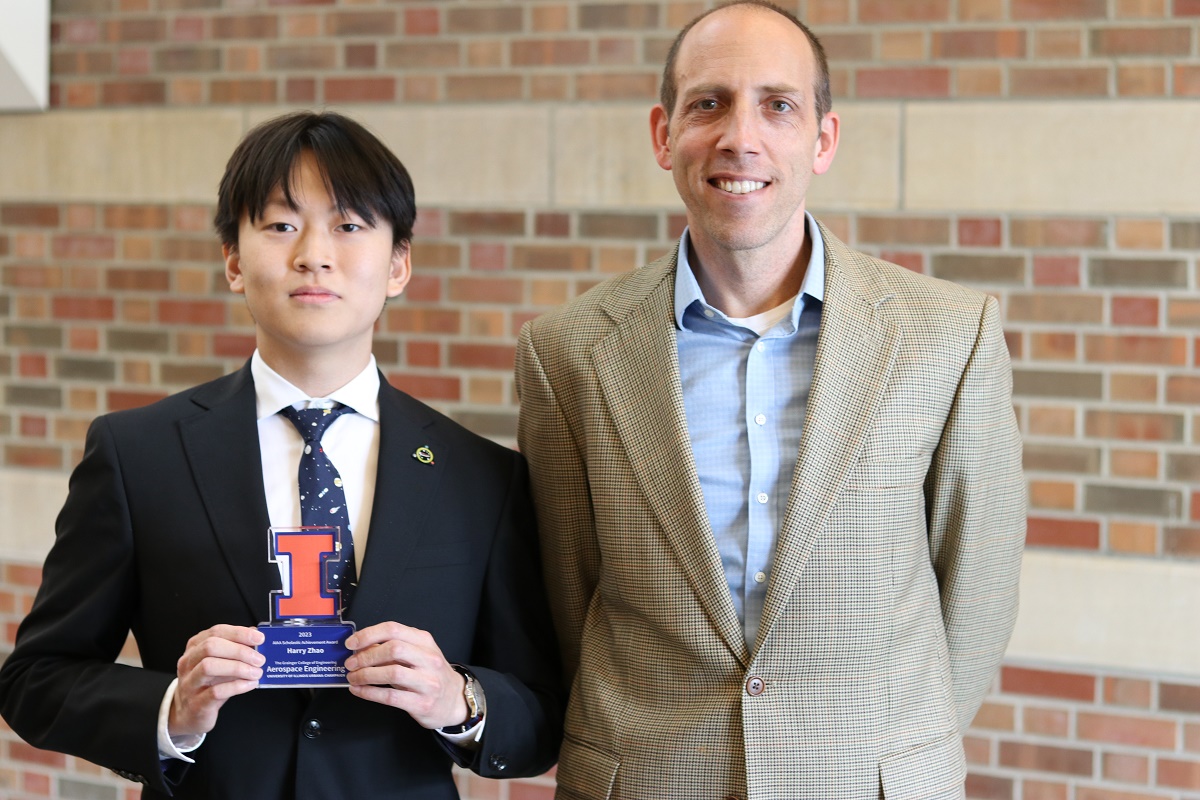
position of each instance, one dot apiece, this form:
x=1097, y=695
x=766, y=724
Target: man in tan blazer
x=778, y=482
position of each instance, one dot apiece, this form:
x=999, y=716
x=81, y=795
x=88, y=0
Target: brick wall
x=112, y=296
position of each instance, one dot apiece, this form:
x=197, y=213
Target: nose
x=740, y=134
x=314, y=250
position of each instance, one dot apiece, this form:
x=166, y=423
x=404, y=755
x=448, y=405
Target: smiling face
x=315, y=278
x=744, y=140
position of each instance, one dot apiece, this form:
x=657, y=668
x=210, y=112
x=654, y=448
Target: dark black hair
x=822, y=95
x=360, y=172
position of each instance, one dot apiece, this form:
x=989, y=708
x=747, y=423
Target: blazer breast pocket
x=876, y=473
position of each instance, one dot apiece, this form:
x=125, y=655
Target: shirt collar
x=272, y=391
x=687, y=288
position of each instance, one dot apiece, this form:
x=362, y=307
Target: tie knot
x=312, y=422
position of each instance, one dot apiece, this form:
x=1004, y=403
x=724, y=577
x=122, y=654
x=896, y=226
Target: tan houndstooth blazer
x=895, y=583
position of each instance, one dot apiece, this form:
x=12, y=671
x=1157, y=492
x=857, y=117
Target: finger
x=389, y=652
x=218, y=649
x=387, y=631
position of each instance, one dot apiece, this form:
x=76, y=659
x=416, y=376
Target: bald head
x=822, y=96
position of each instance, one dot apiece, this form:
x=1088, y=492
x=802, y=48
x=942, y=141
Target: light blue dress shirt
x=745, y=396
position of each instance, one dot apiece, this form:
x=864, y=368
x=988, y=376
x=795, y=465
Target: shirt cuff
x=175, y=747
x=468, y=739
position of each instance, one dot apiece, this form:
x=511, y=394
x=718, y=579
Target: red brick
x=994, y=716
x=487, y=290
x=301, y=57
x=487, y=256
x=84, y=246
x=487, y=223
x=1141, y=311
x=529, y=791
x=424, y=289
x=1097, y=793
x=1046, y=721
x=361, y=23
x=1187, y=8
x=138, y=280
x=192, y=312
x=1134, y=426
x=1046, y=683
x=1044, y=758
x=1183, y=389
x=132, y=93
x=361, y=56
x=1165, y=350
x=1126, y=768
x=23, y=575
x=1008, y=43
x=427, y=387
x=1058, y=233
x=231, y=345
x=136, y=217
x=360, y=89
x=1182, y=542
x=1059, y=9
x=1142, y=41
x=83, y=308
x=32, y=456
x=1116, y=729
x=979, y=232
x=244, y=90
x=1070, y=533
x=885, y=11
x=559, y=258
x=1141, y=80
x=903, y=82
x=137, y=30
x=40, y=215
x=121, y=400
x=411, y=319
x=484, y=356
x=1187, y=80
x=1056, y=271
x=550, y=52
x=29, y=276
x=603, y=86
x=491, y=20
x=1043, y=790
x=483, y=87
x=594, y=16
x=1180, y=697
x=300, y=90
x=421, y=22
x=552, y=225
x=1058, y=81
x=1179, y=774
x=32, y=365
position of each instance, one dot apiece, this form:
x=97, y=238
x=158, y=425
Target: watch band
x=476, y=703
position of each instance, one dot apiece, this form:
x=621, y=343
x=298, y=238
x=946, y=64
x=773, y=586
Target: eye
x=281, y=227
x=781, y=106
x=707, y=104
x=349, y=227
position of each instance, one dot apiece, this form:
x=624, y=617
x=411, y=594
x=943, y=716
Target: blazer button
x=755, y=686
x=312, y=728
x=498, y=763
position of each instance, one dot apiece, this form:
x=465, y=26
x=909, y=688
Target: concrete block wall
x=1046, y=151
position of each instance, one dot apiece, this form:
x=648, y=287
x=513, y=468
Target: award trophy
x=305, y=642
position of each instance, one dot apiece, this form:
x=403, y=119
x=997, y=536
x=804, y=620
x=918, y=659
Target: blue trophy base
x=304, y=654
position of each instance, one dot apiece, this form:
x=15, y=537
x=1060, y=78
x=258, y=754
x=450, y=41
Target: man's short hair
x=822, y=96
x=360, y=172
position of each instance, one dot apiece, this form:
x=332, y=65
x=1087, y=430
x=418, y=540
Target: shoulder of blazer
x=881, y=283
x=237, y=386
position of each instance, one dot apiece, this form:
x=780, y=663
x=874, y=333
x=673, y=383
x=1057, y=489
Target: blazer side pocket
x=584, y=772
x=934, y=771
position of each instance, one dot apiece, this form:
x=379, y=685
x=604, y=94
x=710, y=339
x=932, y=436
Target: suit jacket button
x=755, y=686
x=498, y=763
x=312, y=728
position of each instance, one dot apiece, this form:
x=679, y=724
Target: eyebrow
x=720, y=88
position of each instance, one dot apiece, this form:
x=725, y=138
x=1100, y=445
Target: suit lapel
x=401, y=506
x=637, y=366
x=221, y=445
x=856, y=349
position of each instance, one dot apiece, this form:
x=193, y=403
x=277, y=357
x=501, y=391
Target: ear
x=233, y=269
x=660, y=136
x=401, y=269
x=827, y=143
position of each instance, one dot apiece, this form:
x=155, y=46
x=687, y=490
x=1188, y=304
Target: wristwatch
x=476, y=702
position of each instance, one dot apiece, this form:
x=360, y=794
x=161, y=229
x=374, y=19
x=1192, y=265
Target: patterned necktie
x=322, y=499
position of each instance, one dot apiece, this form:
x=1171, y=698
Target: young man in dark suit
x=164, y=533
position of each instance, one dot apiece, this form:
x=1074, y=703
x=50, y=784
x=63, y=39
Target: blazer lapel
x=221, y=445
x=403, y=486
x=637, y=366
x=856, y=349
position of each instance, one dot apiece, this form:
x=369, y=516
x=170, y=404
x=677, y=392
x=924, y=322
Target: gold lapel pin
x=424, y=455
